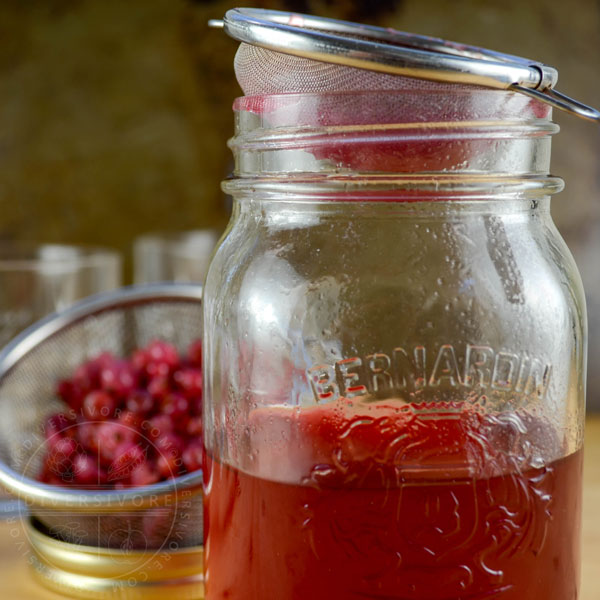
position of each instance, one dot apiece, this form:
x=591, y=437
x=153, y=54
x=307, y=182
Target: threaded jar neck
x=471, y=137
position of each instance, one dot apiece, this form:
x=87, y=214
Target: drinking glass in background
x=182, y=257
x=38, y=279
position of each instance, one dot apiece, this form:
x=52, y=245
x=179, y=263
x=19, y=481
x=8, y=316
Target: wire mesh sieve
x=285, y=52
x=168, y=513
x=261, y=71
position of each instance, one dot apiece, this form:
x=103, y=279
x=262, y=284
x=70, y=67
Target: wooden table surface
x=16, y=582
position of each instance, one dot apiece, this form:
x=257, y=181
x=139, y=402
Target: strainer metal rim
x=382, y=49
x=44, y=495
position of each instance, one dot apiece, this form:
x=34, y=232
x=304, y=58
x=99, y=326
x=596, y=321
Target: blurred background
x=114, y=115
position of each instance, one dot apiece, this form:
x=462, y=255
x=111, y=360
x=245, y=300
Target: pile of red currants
x=127, y=422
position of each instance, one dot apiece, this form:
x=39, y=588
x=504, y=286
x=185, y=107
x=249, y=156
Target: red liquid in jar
x=381, y=503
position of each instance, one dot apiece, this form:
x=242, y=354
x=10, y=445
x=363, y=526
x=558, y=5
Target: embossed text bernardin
x=403, y=370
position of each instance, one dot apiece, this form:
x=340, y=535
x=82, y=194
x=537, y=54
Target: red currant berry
x=159, y=387
x=128, y=456
x=71, y=393
x=144, y=474
x=46, y=476
x=110, y=436
x=87, y=375
x=132, y=421
x=118, y=378
x=140, y=359
x=194, y=427
x=59, y=459
x=168, y=448
x=87, y=471
x=98, y=405
x=175, y=406
x=140, y=402
x=189, y=381
x=192, y=456
x=194, y=353
x=162, y=358
x=87, y=435
x=158, y=425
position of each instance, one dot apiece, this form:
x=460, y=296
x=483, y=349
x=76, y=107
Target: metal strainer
x=284, y=52
x=167, y=514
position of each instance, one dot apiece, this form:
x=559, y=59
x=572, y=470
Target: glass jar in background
x=38, y=279
x=395, y=343
x=182, y=257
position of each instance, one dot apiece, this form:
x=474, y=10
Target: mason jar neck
x=393, y=144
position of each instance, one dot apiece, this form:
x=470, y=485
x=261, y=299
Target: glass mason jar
x=395, y=345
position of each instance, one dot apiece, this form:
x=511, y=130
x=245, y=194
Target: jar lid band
x=392, y=52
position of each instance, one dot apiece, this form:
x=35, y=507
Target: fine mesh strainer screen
x=120, y=323
x=260, y=71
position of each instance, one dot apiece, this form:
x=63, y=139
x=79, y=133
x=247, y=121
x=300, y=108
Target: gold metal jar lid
x=99, y=573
